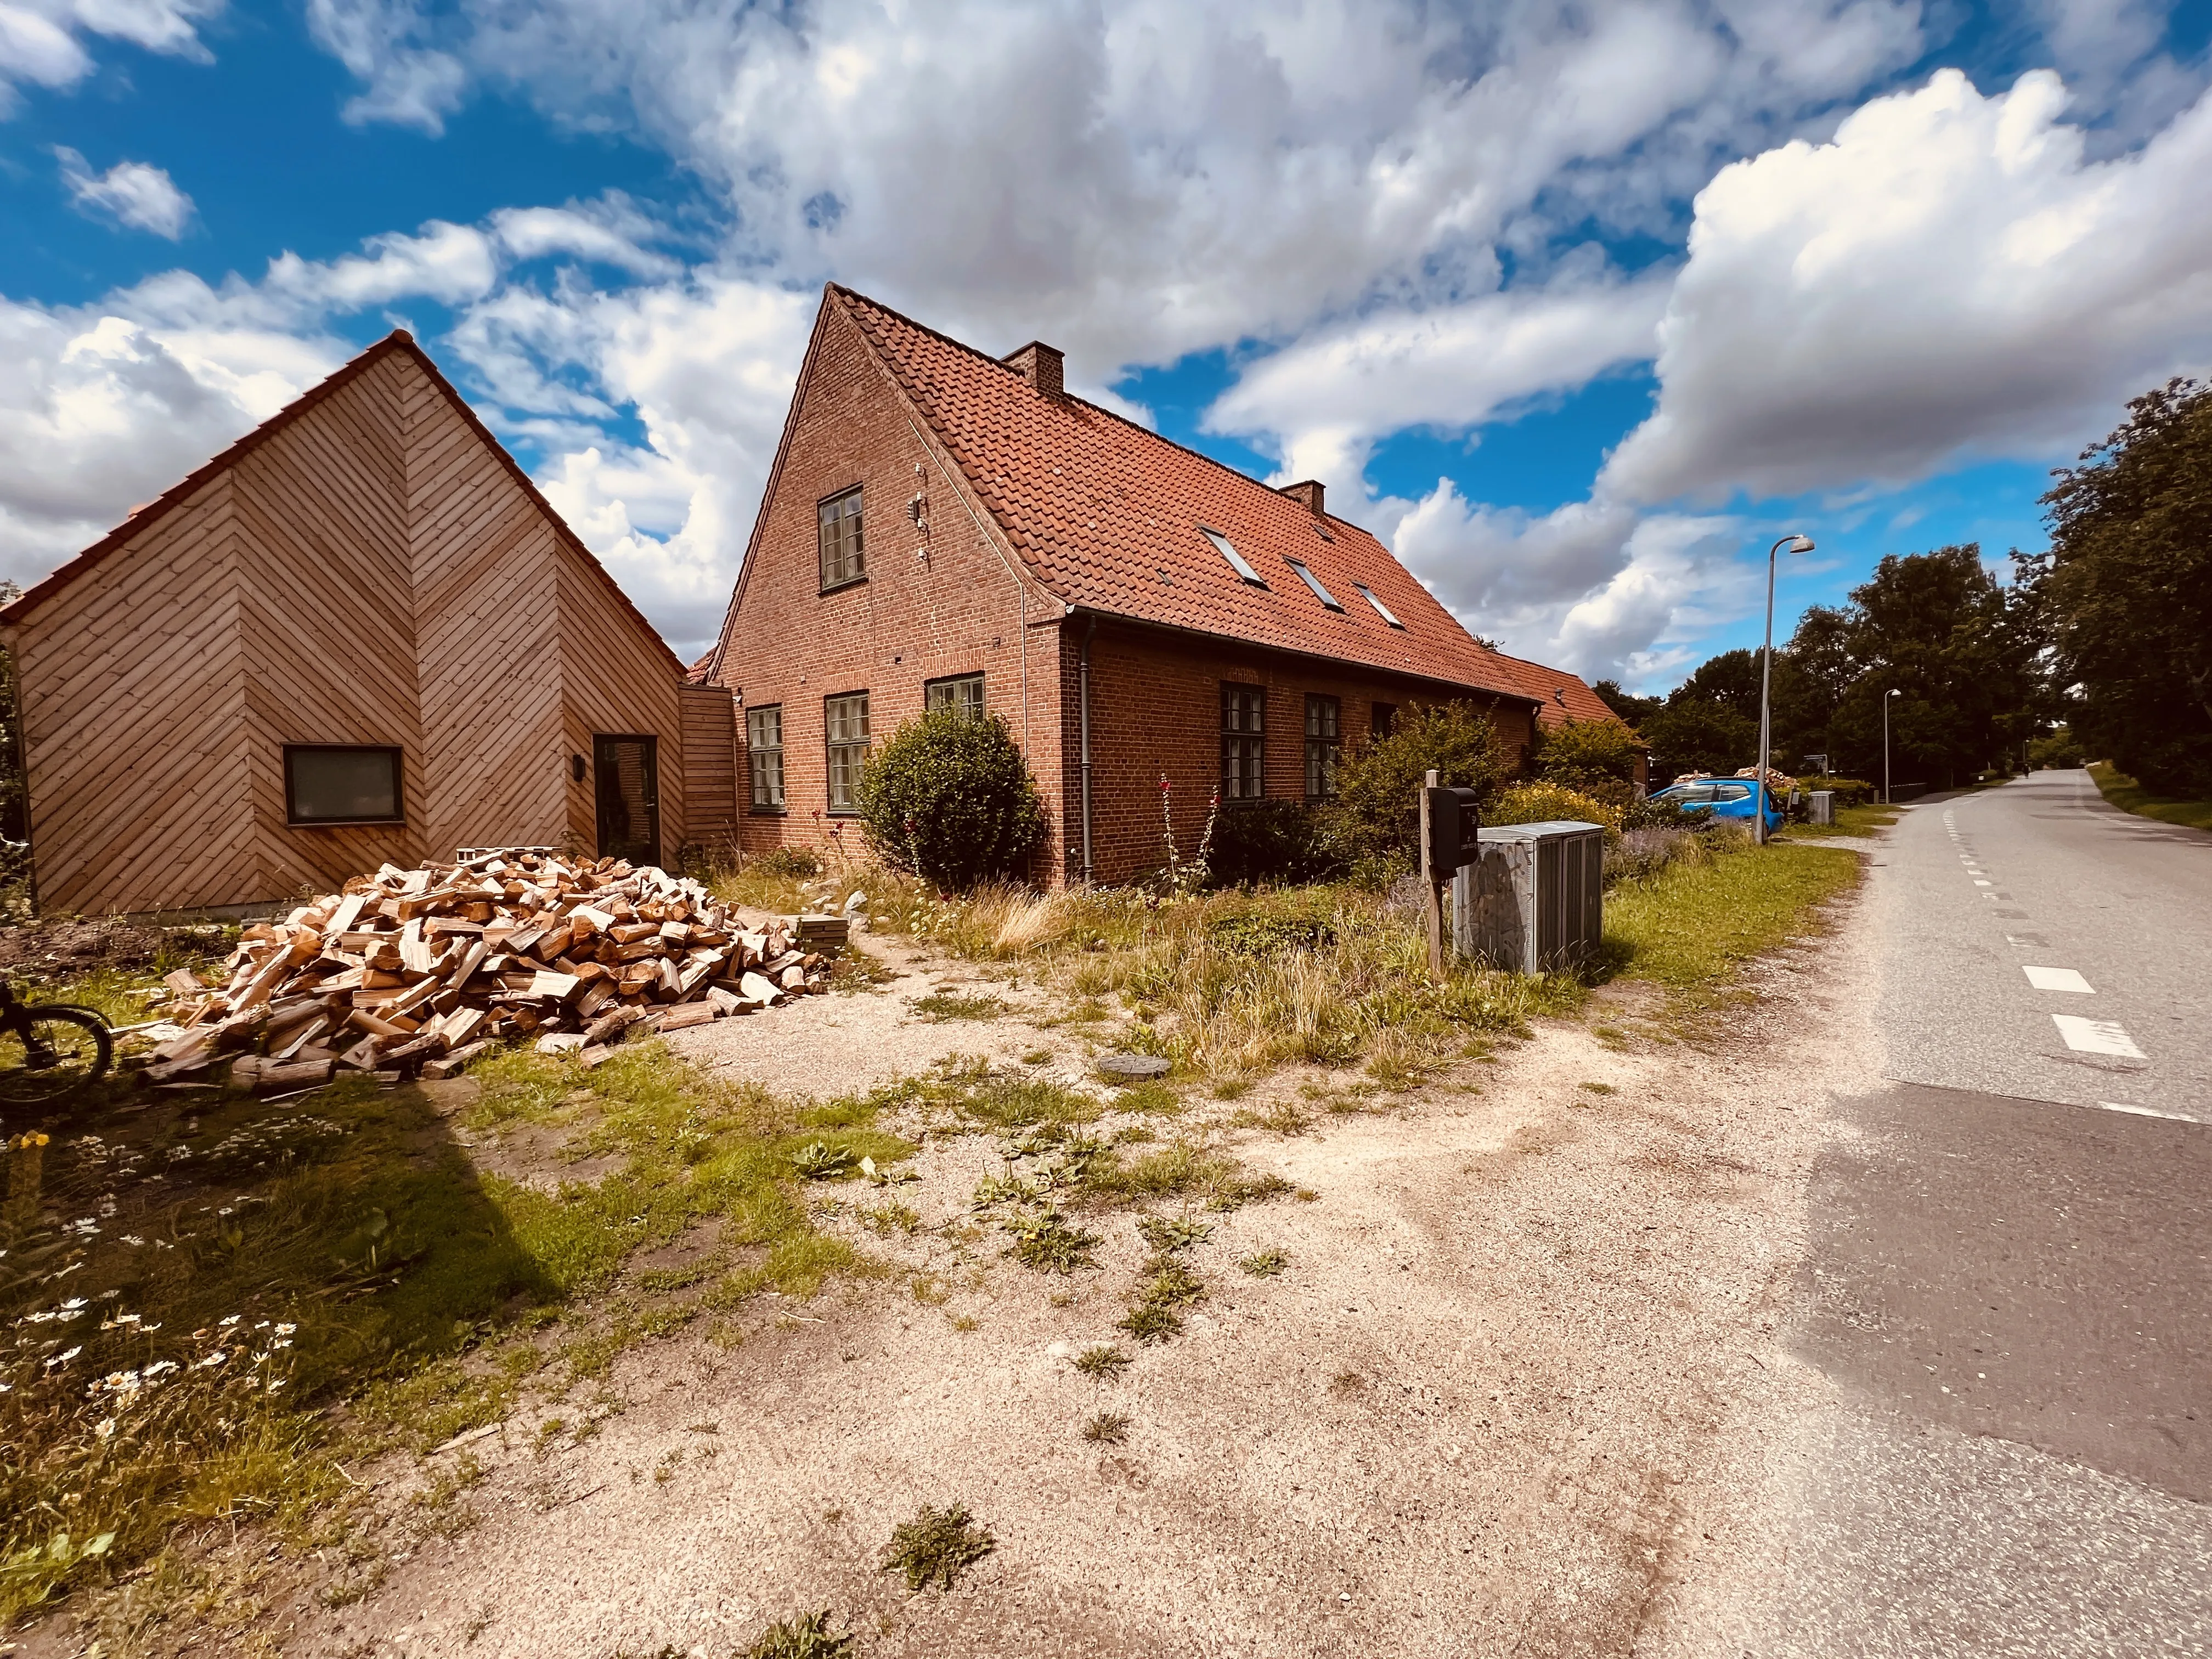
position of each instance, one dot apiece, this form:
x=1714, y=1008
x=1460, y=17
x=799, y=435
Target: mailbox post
x=1451, y=821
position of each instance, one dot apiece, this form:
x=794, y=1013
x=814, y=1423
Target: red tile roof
x=1111, y=517
x=1561, y=696
x=399, y=339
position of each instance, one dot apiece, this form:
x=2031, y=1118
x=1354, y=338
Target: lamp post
x=1796, y=544
x=1885, y=744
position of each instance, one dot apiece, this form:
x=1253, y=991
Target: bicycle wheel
x=52, y=1054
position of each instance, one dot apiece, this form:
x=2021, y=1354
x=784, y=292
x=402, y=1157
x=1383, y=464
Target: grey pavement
x=2008, y=1295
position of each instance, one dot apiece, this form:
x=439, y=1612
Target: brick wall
x=910, y=621
x=1156, y=709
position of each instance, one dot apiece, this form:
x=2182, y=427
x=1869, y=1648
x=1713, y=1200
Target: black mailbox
x=1449, y=827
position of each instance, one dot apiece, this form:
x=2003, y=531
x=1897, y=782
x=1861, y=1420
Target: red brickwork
x=960, y=612
x=1156, y=709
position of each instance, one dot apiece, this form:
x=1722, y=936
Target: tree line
x=2099, y=647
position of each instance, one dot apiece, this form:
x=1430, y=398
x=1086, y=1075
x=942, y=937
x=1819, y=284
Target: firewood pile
x=421, y=970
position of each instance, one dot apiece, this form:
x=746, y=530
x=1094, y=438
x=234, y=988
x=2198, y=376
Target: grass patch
x=1107, y=1428
x=1692, y=926
x=1231, y=984
x=1101, y=1361
x=1850, y=820
x=1265, y=1264
x=1046, y=1243
x=807, y=1636
x=937, y=1547
x=2125, y=793
x=209, y=1307
x=942, y=1006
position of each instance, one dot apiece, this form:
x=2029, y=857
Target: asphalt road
x=2009, y=1285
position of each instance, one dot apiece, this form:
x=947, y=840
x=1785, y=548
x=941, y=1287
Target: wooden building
x=358, y=635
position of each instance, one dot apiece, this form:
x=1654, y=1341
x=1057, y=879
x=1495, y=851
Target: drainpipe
x=1082, y=714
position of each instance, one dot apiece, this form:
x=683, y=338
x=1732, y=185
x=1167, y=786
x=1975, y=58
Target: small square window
x=764, y=756
x=341, y=783
x=963, y=692
x=1243, y=742
x=845, y=736
x=1324, y=743
x=837, y=523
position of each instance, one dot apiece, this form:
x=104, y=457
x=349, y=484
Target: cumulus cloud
x=1948, y=277
x=131, y=193
x=1594, y=586
x=1323, y=402
x=42, y=42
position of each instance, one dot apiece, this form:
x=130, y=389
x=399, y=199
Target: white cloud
x=131, y=192
x=42, y=42
x=1324, y=401
x=1947, y=278
x=1592, y=587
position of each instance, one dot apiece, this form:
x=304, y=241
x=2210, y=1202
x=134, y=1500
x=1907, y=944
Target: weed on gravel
x=936, y=1546
x=807, y=1636
x=1107, y=1428
x=1101, y=1361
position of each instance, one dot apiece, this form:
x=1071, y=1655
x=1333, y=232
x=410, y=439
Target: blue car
x=1724, y=798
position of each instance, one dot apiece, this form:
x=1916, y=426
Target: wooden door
x=628, y=771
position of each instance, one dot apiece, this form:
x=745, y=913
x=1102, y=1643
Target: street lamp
x=1885, y=746
x=1795, y=544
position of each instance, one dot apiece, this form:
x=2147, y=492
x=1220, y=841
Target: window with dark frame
x=342, y=783
x=1381, y=720
x=765, y=755
x=1243, y=742
x=845, y=737
x=1324, y=743
x=963, y=691
x=838, y=525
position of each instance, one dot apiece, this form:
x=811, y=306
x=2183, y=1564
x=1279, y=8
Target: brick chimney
x=1307, y=495
x=1040, y=365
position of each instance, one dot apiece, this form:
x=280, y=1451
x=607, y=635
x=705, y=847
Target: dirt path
x=1463, y=1418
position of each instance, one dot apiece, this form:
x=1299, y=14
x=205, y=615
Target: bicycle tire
x=80, y=1050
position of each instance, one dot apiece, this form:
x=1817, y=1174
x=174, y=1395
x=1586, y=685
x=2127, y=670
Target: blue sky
x=1578, y=307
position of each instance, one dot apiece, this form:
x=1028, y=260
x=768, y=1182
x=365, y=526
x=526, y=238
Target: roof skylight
x=1236, y=561
x=1314, y=582
x=1380, y=609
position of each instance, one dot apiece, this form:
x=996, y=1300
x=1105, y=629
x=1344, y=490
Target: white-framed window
x=837, y=523
x=1243, y=742
x=963, y=691
x=764, y=755
x=845, y=737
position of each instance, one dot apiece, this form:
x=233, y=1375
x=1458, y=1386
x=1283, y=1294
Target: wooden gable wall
x=370, y=571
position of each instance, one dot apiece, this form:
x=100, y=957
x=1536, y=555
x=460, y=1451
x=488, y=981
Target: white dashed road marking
x=2148, y=1111
x=2096, y=1037
x=2055, y=979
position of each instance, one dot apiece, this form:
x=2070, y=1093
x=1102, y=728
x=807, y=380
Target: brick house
x=940, y=525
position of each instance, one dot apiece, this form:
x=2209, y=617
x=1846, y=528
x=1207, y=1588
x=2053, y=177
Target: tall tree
x=2129, y=589
x=1631, y=708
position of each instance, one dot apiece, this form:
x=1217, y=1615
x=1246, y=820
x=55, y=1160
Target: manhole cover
x=1122, y=1065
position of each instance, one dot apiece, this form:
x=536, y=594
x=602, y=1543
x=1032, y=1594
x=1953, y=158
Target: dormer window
x=1380, y=609
x=1314, y=582
x=1236, y=560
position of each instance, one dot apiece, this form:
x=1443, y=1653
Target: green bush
x=950, y=798
x=1377, y=812
x=799, y=863
x=1593, y=757
x=1281, y=841
x=1547, y=803
x=1849, y=792
x=2055, y=748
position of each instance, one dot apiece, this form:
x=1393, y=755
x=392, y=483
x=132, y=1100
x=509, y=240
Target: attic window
x=1380, y=609
x=1314, y=582
x=1236, y=559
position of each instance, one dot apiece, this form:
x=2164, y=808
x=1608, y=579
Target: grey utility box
x=1534, y=901
x=1820, y=806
